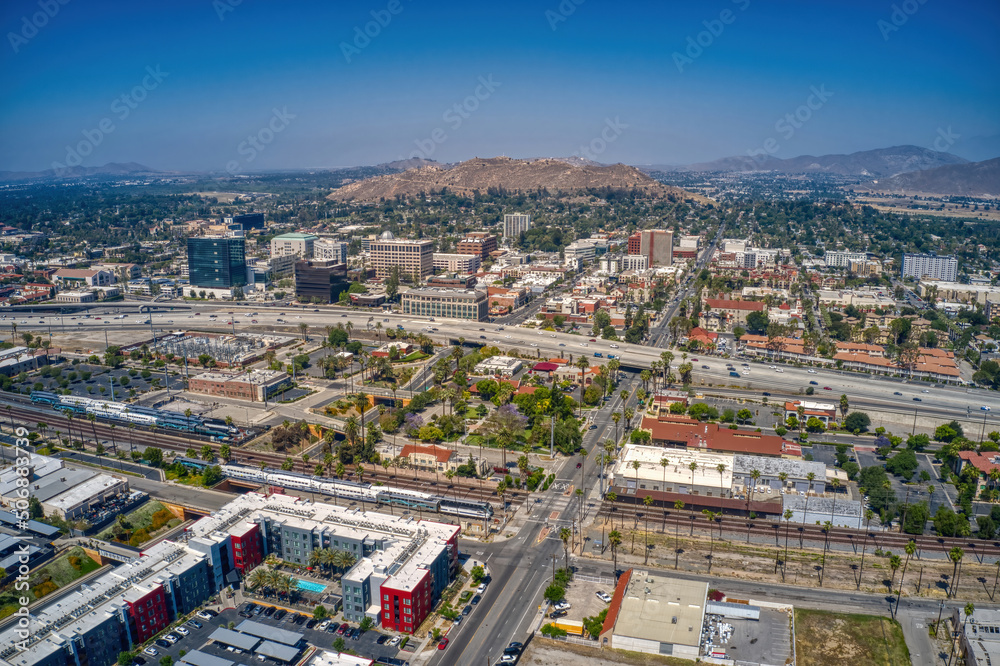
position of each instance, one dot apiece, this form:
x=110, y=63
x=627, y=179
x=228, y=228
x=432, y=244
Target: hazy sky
x=251, y=85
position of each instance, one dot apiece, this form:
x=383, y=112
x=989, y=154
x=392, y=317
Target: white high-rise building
x=921, y=266
x=325, y=249
x=840, y=259
x=515, y=224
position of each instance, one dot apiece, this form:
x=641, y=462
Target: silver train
x=361, y=492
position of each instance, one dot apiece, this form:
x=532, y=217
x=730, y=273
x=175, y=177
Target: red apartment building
x=246, y=547
x=147, y=609
x=406, y=600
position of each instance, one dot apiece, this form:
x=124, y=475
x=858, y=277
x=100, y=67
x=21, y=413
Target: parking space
x=192, y=641
x=764, y=641
x=583, y=600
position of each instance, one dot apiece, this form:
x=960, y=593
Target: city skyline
x=236, y=87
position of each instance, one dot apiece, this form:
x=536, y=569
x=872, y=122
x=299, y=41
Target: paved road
x=111, y=463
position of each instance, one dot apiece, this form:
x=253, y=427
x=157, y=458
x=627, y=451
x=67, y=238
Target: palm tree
x=693, y=466
x=955, y=555
x=615, y=539
x=805, y=516
x=827, y=528
x=584, y=365
x=710, y=516
x=648, y=502
x=501, y=490
x=836, y=484
x=93, y=424
x=616, y=417
x=869, y=514
x=257, y=578
x=678, y=506
x=565, y=534
x=894, y=563
x=910, y=549
x=721, y=469
x=784, y=562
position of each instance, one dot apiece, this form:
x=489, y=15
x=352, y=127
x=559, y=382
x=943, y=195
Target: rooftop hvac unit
x=673, y=620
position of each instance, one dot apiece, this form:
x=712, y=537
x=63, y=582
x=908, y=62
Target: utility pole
x=552, y=435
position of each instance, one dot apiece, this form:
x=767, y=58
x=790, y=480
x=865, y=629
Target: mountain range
x=504, y=173
x=116, y=169
x=975, y=179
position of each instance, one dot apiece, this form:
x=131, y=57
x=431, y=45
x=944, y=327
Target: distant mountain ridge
x=483, y=174
x=109, y=169
x=975, y=179
x=877, y=163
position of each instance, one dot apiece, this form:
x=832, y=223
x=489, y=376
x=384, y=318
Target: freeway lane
x=547, y=344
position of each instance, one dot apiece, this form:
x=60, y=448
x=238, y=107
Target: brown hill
x=975, y=179
x=480, y=175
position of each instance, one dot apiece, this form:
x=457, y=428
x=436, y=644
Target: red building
x=406, y=600
x=635, y=243
x=246, y=547
x=147, y=609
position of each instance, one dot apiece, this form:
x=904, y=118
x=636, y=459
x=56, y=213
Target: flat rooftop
x=234, y=638
x=677, y=469
x=198, y=658
x=661, y=608
x=269, y=633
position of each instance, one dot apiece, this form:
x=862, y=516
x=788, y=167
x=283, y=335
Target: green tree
x=857, y=422
x=554, y=593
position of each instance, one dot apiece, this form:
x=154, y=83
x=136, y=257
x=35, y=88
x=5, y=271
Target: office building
x=931, y=266
x=839, y=259
x=217, y=262
x=293, y=245
x=656, y=245
x=456, y=263
x=412, y=257
x=256, y=386
x=246, y=220
x=478, y=243
x=515, y=224
x=325, y=249
x=656, y=614
x=452, y=303
x=320, y=281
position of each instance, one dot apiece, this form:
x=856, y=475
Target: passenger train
x=361, y=492
x=214, y=429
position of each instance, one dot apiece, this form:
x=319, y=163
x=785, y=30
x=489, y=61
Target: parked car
x=476, y=599
x=195, y=623
x=343, y=628
x=443, y=644
x=563, y=606
x=206, y=614
x=182, y=631
x=151, y=651
x=604, y=596
x=466, y=610
x=395, y=640
x=162, y=643
x=481, y=589
x=382, y=638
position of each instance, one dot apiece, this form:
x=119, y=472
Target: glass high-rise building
x=217, y=262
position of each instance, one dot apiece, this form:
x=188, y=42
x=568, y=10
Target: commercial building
x=293, y=245
x=673, y=432
x=729, y=313
x=810, y=510
x=325, y=249
x=770, y=470
x=246, y=220
x=676, y=475
x=980, y=637
x=656, y=245
x=478, y=243
x=865, y=267
x=515, y=224
x=86, y=277
x=321, y=281
x=68, y=493
x=412, y=257
x=922, y=266
x=505, y=366
x=456, y=263
x=956, y=291
x=217, y=262
x=842, y=259
x=656, y=614
x=256, y=386
x=452, y=303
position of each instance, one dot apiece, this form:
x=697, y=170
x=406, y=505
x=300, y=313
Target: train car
x=410, y=500
x=466, y=508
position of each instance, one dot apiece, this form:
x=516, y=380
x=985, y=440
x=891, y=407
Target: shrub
x=553, y=631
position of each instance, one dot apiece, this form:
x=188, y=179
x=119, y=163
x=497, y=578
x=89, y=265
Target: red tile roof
x=726, y=304
x=616, y=602
x=713, y=437
x=442, y=454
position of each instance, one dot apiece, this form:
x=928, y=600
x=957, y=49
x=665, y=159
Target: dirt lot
x=545, y=652
x=832, y=639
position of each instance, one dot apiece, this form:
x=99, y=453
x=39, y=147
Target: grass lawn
x=835, y=639
x=44, y=581
x=143, y=519
x=415, y=356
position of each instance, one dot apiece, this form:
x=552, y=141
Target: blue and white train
x=148, y=417
x=361, y=492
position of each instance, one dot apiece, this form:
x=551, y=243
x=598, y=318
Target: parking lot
x=583, y=601
x=197, y=639
x=764, y=641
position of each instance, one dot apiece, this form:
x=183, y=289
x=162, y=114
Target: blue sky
x=264, y=85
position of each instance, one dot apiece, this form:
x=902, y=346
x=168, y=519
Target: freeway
x=948, y=400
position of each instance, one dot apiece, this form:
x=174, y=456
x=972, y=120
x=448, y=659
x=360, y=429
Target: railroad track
x=736, y=527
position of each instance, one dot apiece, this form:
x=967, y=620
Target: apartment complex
x=842, y=259
x=515, y=224
x=656, y=245
x=453, y=303
x=479, y=243
x=217, y=262
x=256, y=386
x=293, y=245
x=932, y=266
x=412, y=257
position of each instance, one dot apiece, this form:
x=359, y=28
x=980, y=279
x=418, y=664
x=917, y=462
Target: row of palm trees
x=271, y=581
x=332, y=558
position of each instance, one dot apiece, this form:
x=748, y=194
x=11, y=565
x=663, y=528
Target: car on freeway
x=827, y=388
x=925, y=391
x=917, y=400
x=508, y=658
x=812, y=372
x=985, y=408
x=896, y=393
x=614, y=346
x=694, y=360
x=705, y=367
x=814, y=383
x=514, y=645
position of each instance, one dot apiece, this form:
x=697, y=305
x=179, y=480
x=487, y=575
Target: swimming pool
x=309, y=586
